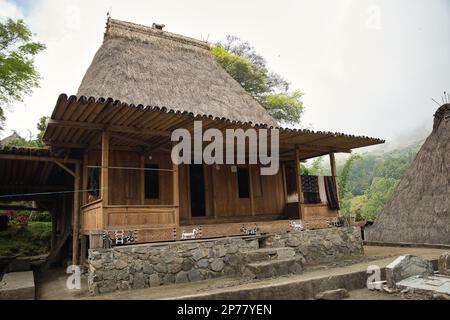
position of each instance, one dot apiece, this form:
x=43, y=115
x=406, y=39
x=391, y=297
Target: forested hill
x=367, y=180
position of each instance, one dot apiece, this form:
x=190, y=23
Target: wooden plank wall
x=92, y=217
x=221, y=187
x=221, y=192
x=121, y=217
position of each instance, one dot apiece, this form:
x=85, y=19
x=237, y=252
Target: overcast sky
x=366, y=67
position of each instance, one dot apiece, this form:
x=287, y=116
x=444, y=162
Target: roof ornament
x=158, y=26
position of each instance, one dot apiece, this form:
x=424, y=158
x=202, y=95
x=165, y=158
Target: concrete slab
x=17, y=286
x=431, y=284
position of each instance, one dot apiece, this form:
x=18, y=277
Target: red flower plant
x=22, y=220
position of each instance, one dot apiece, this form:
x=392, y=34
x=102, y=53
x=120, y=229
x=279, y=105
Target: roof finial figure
x=158, y=26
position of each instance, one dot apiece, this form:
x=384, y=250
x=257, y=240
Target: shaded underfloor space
x=350, y=274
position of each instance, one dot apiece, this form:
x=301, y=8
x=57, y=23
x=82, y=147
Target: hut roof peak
x=133, y=31
x=149, y=66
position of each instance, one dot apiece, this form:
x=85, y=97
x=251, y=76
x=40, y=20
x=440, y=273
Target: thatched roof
x=148, y=66
x=77, y=121
x=419, y=210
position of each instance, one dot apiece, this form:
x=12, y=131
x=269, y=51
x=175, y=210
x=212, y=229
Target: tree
x=344, y=174
x=18, y=75
x=315, y=168
x=249, y=69
x=31, y=142
x=378, y=195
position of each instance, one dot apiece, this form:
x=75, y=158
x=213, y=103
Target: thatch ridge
x=117, y=28
x=148, y=66
x=419, y=210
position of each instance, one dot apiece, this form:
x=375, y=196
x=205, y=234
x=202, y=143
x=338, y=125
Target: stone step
x=265, y=254
x=17, y=286
x=273, y=268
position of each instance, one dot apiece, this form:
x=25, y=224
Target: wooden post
x=54, y=229
x=76, y=215
x=252, y=193
x=83, y=251
x=213, y=192
x=298, y=183
x=283, y=176
x=334, y=174
x=105, y=168
x=142, y=178
x=85, y=178
x=176, y=194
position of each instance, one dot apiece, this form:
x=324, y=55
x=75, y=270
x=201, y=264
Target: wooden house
x=143, y=84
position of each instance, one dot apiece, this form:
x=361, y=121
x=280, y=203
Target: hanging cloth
x=332, y=197
x=322, y=190
x=310, y=188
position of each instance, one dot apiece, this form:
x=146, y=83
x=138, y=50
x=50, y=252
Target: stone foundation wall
x=321, y=245
x=140, y=266
x=149, y=265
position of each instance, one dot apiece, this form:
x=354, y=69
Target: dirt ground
x=52, y=284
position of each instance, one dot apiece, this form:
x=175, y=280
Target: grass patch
x=31, y=240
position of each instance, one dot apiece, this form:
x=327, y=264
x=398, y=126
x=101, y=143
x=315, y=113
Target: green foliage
x=284, y=106
x=18, y=74
x=316, y=168
x=366, y=182
x=343, y=175
x=31, y=142
x=378, y=195
x=251, y=77
x=31, y=240
x=355, y=205
x=249, y=69
x=41, y=217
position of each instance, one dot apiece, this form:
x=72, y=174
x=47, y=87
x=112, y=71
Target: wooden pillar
x=213, y=191
x=76, y=215
x=298, y=183
x=85, y=178
x=334, y=174
x=83, y=251
x=176, y=194
x=142, y=179
x=54, y=227
x=283, y=176
x=105, y=168
x=252, y=192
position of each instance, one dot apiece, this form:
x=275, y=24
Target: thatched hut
x=419, y=210
x=143, y=84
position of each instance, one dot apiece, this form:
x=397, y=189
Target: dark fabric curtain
x=310, y=187
x=330, y=188
x=310, y=183
x=311, y=197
